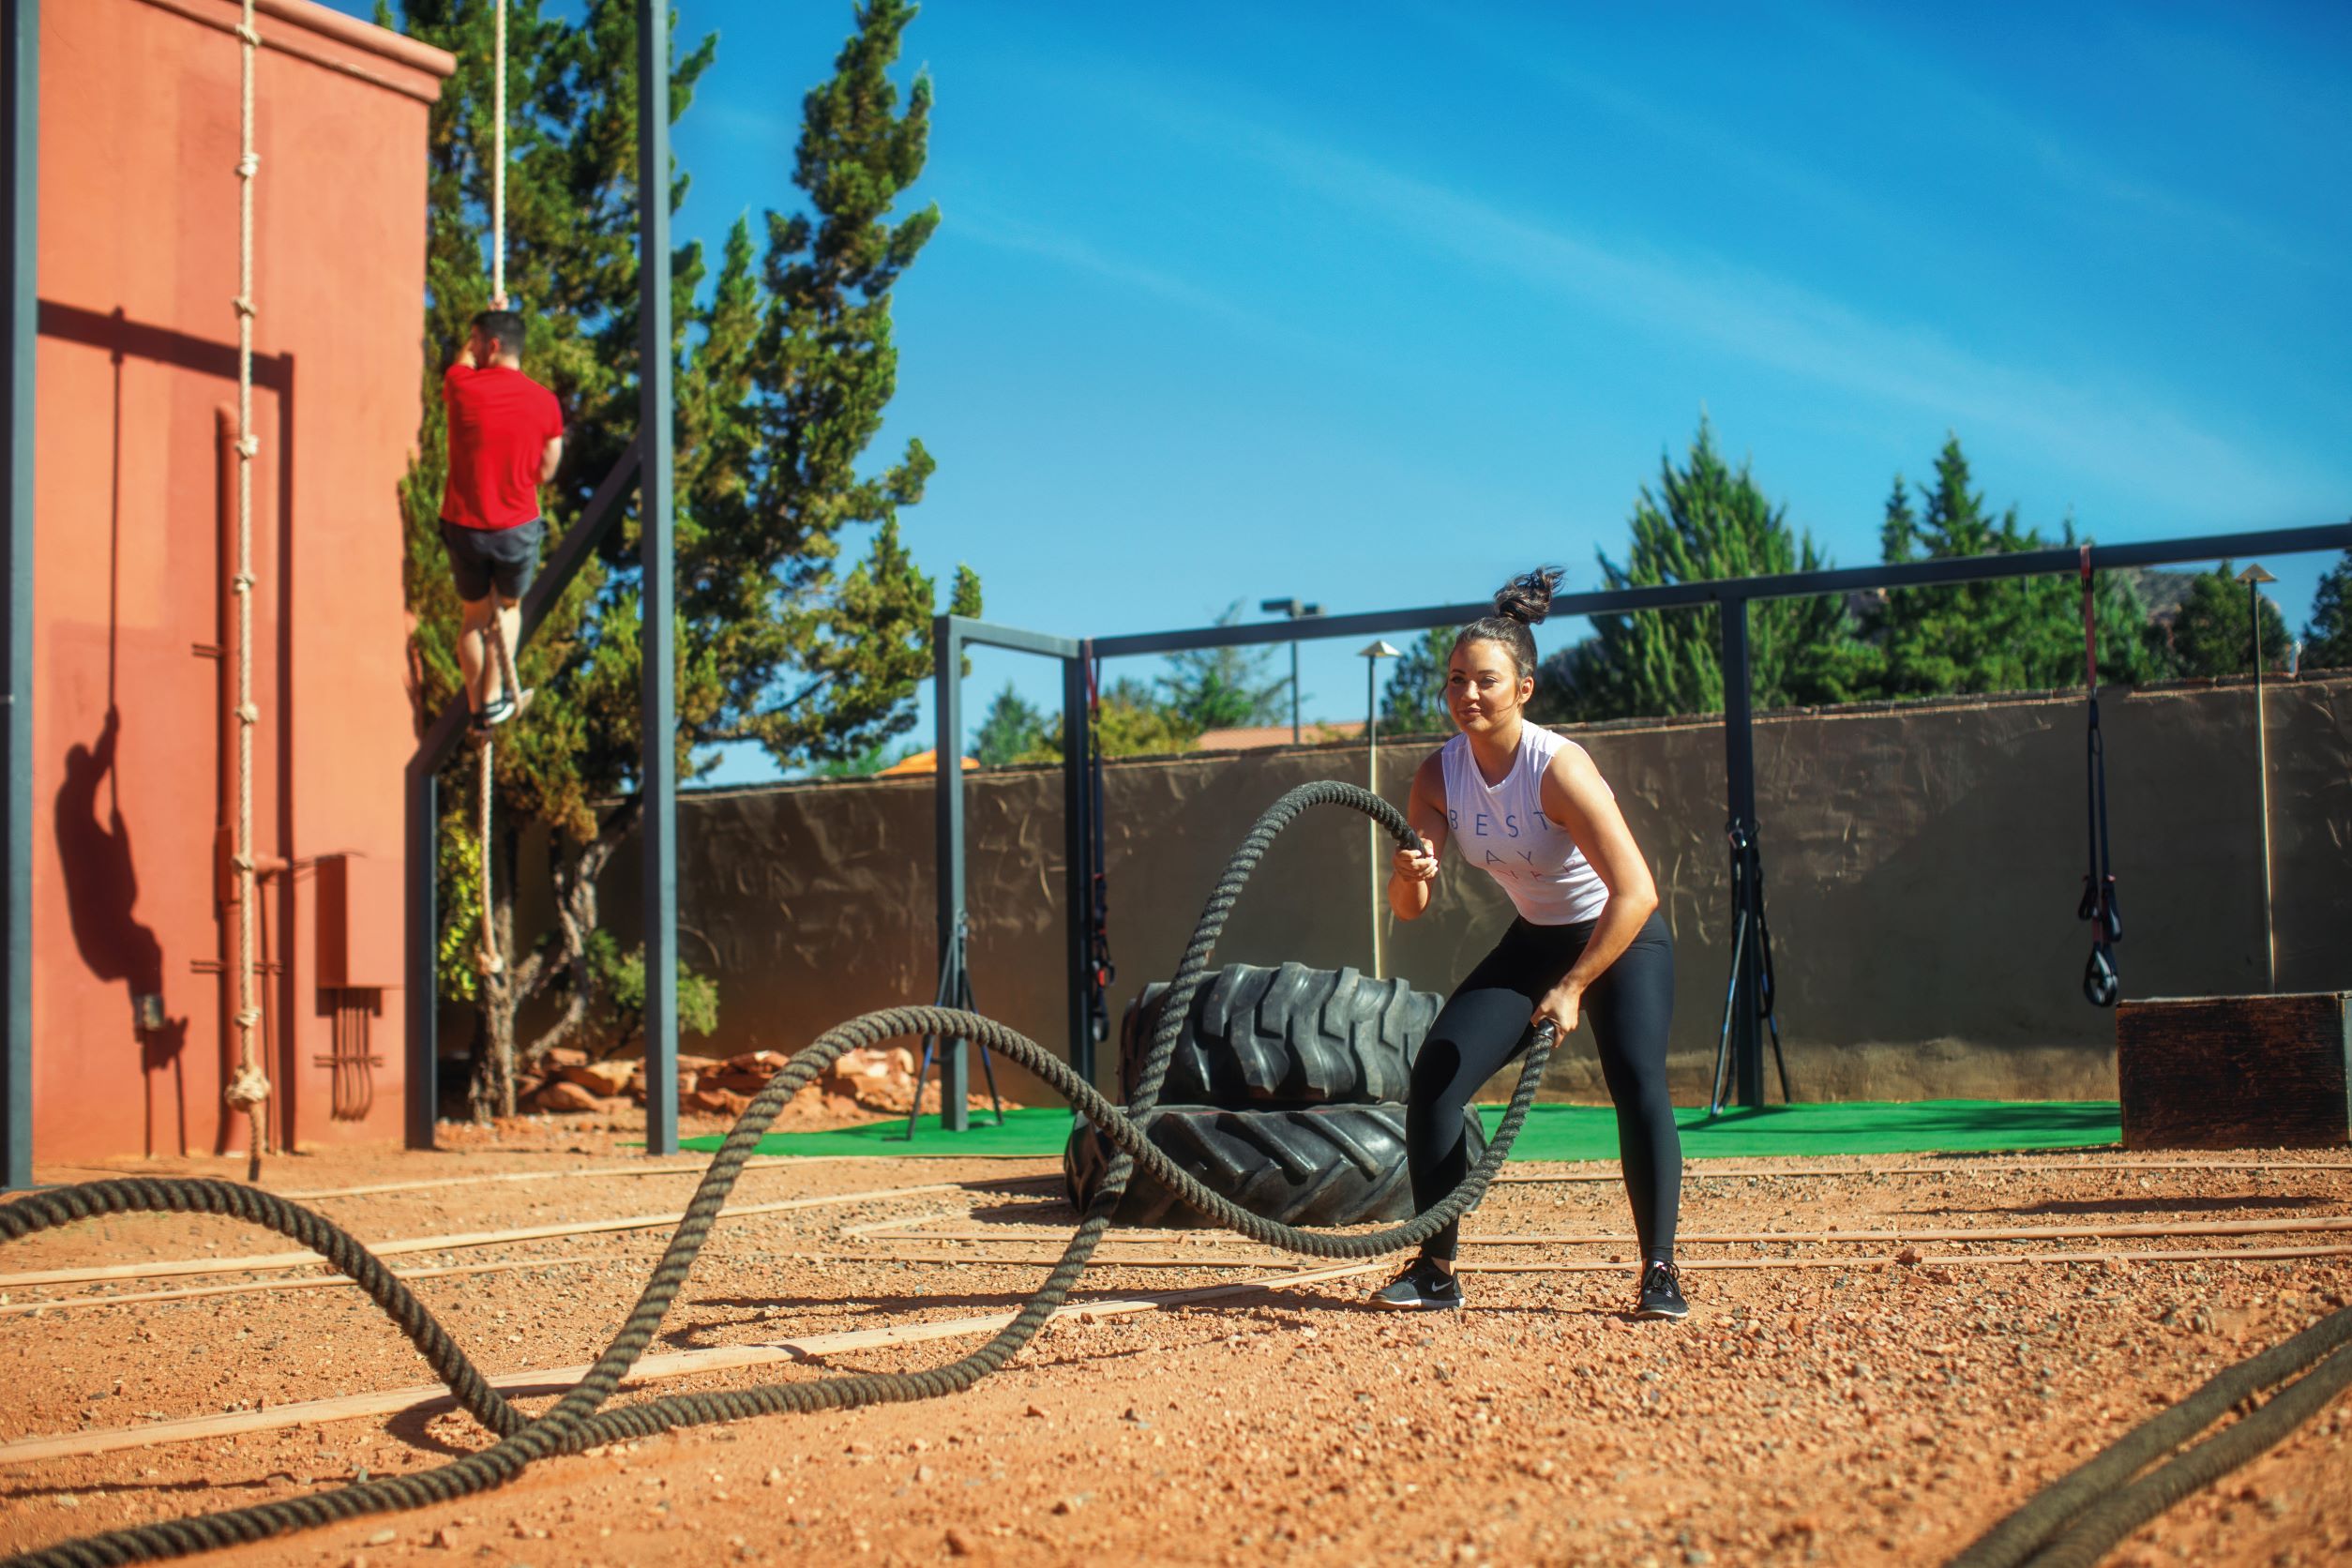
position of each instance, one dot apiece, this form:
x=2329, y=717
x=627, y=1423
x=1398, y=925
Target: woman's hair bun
x=1527, y=598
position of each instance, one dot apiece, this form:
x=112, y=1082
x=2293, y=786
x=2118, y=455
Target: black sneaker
x=506, y=707
x=1662, y=1294
x=1422, y=1288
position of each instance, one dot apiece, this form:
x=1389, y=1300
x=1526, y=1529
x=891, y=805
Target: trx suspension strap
x=1099, y=969
x=2101, y=984
x=1748, y=926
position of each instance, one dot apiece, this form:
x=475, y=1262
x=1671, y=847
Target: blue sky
x=1377, y=303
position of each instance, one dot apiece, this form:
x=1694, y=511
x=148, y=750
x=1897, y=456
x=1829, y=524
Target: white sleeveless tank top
x=1501, y=830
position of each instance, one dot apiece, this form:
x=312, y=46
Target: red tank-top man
x=505, y=438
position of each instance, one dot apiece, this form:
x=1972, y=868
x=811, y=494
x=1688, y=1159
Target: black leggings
x=1485, y=1025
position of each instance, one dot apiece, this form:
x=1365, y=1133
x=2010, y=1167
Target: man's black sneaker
x=1425, y=1287
x=1662, y=1294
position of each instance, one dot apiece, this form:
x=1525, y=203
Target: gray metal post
x=1372, y=785
x=658, y=768
x=1078, y=853
x=947, y=673
x=1294, y=694
x=1747, y=1042
x=20, y=64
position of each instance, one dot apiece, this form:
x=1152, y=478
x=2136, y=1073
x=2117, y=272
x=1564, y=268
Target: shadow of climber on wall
x=102, y=888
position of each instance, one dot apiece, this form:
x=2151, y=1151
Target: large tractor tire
x=1320, y=1166
x=1285, y=1037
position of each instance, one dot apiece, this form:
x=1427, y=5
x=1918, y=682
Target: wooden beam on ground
x=1700, y=1169
x=319, y=1282
x=1738, y=1238
x=428, y=1183
x=873, y=1225
x=263, y=1262
x=758, y=1162
x=1470, y=1265
x=554, y=1380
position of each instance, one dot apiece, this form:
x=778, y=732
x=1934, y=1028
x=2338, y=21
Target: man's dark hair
x=502, y=327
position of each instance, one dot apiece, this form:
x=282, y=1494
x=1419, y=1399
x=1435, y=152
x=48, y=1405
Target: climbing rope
x=2076, y=1519
x=485, y=953
x=487, y=956
x=498, y=154
x=576, y=1421
x=248, y=1087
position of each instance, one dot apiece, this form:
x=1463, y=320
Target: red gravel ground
x=1822, y=1404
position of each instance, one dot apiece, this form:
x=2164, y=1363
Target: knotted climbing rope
x=578, y=1420
x=487, y=958
x=248, y=1087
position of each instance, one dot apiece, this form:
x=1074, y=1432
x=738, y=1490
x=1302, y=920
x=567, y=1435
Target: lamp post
x=2254, y=577
x=1372, y=657
x=1296, y=611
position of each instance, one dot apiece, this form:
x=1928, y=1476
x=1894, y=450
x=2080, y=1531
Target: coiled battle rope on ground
x=2073, y=1521
x=576, y=1420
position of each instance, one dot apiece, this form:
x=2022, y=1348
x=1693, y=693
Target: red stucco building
x=133, y=923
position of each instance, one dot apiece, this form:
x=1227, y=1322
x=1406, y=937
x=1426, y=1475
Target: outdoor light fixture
x=1372, y=657
x=1296, y=611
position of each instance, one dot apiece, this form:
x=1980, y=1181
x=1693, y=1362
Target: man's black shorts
x=483, y=558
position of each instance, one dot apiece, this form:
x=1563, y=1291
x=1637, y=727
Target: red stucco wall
x=138, y=220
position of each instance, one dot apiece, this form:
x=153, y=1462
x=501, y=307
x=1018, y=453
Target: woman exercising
x=1532, y=810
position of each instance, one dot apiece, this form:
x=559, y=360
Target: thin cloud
x=999, y=231
x=2113, y=434
x=2065, y=164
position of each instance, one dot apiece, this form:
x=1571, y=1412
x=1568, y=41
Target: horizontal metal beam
x=1311, y=629
x=987, y=634
x=1780, y=585
x=2034, y=562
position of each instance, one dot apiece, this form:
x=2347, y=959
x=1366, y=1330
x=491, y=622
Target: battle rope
x=2101, y=983
x=247, y=1088
x=576, y=1421
x=2074, y=1521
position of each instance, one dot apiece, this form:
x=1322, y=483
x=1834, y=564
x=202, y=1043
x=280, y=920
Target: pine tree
x=1706, y=522
x=1130, y=720
x=1412, y=702
x=1223, y=688
x=2009, y=634
x=781, y=374
x=2213, y=634
x=2327, y=640
x=1011, y=729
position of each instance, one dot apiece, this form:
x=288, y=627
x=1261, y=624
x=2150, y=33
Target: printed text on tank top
x=1501, y=828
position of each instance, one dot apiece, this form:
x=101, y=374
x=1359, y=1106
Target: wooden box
x=2236, y=1072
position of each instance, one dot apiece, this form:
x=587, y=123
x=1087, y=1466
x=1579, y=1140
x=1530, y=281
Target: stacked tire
x=1286, y=1094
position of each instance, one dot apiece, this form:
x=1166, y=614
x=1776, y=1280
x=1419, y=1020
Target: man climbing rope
x=505, y=438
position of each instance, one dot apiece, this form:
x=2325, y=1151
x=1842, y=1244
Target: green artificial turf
x=1584, y=1132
